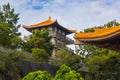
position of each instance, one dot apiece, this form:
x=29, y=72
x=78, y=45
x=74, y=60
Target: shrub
x=64, y=73
x=38, y=75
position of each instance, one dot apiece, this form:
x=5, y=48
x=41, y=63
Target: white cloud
x=73, y=14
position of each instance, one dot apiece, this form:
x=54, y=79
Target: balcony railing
x=69, y=41
x=52, y=33
x=59, y=45
x=61, y=37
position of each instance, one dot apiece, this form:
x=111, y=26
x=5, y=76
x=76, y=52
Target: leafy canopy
x=64, y=73
x=107, y=25
x=39, y=39
x=4, y=34
x=101, y=62
x=10, y=63
x=38, y=75
x=40, y=54
x=7, y=38
x=65, y=57
x=9, y=28
x=8, y=15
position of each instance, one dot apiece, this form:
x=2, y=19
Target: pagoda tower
x=107, y=38
x=56, y=31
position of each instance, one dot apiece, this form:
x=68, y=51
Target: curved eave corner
x=37, y=25
x=41, y=24
x=70, y=31
x=66, y=29
x=28, y=29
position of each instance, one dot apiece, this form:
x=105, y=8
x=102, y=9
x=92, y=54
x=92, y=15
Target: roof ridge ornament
x=49, y=17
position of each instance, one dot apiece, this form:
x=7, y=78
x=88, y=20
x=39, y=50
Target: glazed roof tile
x=97, y=33
x=44, y=23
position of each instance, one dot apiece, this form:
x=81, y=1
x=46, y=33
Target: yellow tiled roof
x=44, y=23
x=97, y=33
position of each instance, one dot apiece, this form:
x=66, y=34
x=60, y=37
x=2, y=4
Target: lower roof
x=107, y=38
x=99, y=33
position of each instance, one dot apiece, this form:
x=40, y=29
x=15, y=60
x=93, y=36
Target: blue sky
x=72, y=14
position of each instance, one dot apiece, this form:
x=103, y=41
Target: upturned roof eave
x=66, y=29
x=97, y=34
x=36, y=26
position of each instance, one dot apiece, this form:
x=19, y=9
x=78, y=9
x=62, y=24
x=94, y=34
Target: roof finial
x=49, y=17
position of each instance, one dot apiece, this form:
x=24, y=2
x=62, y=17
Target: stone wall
x=28, y=66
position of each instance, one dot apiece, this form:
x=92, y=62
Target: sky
x=72, y=14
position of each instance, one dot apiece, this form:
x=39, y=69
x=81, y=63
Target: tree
x=65, y=57
x=97, y=59
x=10, y=61
x=107, y=25
x=111, y=24
x=38, y=75
x=39, y=39
x=40, y=54
x=2, y=63
x=65, y=73
x=4, y=34
x=105, y=64
x=9, y=28
x=16, y=42
x=8, y=39
x=8, y=15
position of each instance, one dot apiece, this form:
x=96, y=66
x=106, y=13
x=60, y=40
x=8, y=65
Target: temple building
x=107, y=38
x=56, y=31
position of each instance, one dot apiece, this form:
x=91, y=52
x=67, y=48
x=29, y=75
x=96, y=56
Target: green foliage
x=16, y=42
x=101, y=62
x=111, y=24
x=39, y=39
x=89, y=30
x=104, y=63
x=10, y=63
x=4, y=34
x=8, y=15
x=40, y=54
x=107, y=25
x=2, y=63
x=8, y=39
x=2, y=66
x=65, y=73
x=9, y=28
x=65, y=57
x=38, y=75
